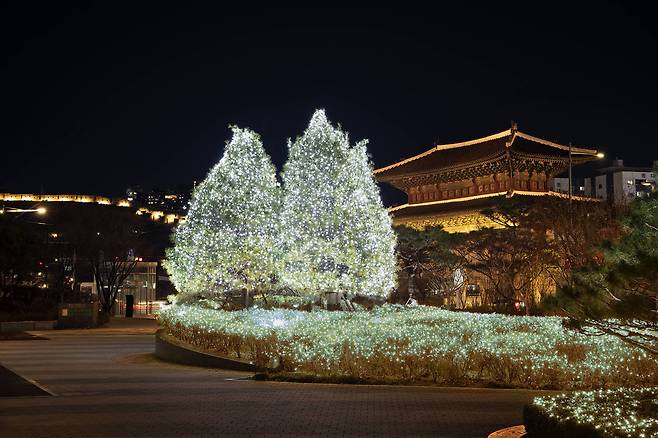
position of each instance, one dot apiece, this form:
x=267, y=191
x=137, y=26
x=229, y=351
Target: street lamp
x=598, y=155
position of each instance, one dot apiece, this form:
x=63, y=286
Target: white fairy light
x=335, y=231
x=623, y=412
x=533, y=351
x=327, y=232
x=228, y=241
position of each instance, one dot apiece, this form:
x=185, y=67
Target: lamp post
x=570, y=180
x=599, y=155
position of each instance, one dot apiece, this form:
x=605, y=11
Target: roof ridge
x=443, y=147
x=448, y=201
x=492, y=195
x=574, y=150
x=515, y=133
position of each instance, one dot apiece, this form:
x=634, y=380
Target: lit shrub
x=415, y=344
x=621, y=412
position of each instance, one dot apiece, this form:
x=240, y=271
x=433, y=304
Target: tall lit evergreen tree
x=335, y=232
x=228, y=241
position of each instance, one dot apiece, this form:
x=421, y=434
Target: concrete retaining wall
x=25, y=326
x=170, y=350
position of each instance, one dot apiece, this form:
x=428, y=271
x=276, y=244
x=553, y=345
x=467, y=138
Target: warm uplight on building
x=169, y=218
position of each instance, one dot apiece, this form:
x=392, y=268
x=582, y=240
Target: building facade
x=141, y=286
x=621, y=184
x=449, y=185
x=174, y=200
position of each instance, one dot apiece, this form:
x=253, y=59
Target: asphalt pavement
x=107, y=383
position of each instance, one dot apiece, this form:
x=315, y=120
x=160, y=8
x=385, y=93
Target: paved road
x=107, y=384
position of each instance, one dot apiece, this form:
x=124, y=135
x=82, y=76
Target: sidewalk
x=116, y=326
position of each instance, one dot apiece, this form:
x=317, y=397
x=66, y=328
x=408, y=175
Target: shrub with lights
x=621, y=412
x=415, y=344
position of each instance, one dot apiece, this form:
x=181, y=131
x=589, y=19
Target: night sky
x=100, y=97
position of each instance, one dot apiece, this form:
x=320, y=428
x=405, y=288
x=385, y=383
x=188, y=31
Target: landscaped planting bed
x=419, y=344
x=621, y=412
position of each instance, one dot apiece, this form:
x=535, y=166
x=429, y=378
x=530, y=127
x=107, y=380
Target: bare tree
x=428, y=260
x=108, y=239
x=512, y=257
x=21, y=247
x=572, y=230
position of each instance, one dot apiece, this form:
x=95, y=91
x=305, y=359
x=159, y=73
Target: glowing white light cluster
x=414, y=343
x=621, y=412
x=229, y=239
x=336, y=232
x=326, y=231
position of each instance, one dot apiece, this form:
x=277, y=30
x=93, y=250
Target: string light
x=336, y=234
x=228, y=241
x=625, y=412
x=399, y=342
x=328, y=231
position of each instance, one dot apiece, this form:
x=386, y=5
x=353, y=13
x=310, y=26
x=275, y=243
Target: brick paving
x=107, y=384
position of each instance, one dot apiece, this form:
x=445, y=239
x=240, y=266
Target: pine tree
x=617, y=292
x=228, y=241
x=335, y=232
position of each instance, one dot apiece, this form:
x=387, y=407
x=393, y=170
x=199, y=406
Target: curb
x=509, y=432
x=26, y=326
x=180, y=353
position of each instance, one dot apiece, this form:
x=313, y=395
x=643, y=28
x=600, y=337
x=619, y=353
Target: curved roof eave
x=508, y=132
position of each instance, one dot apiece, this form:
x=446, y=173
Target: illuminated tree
x=228, y=242
x=336, y=234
